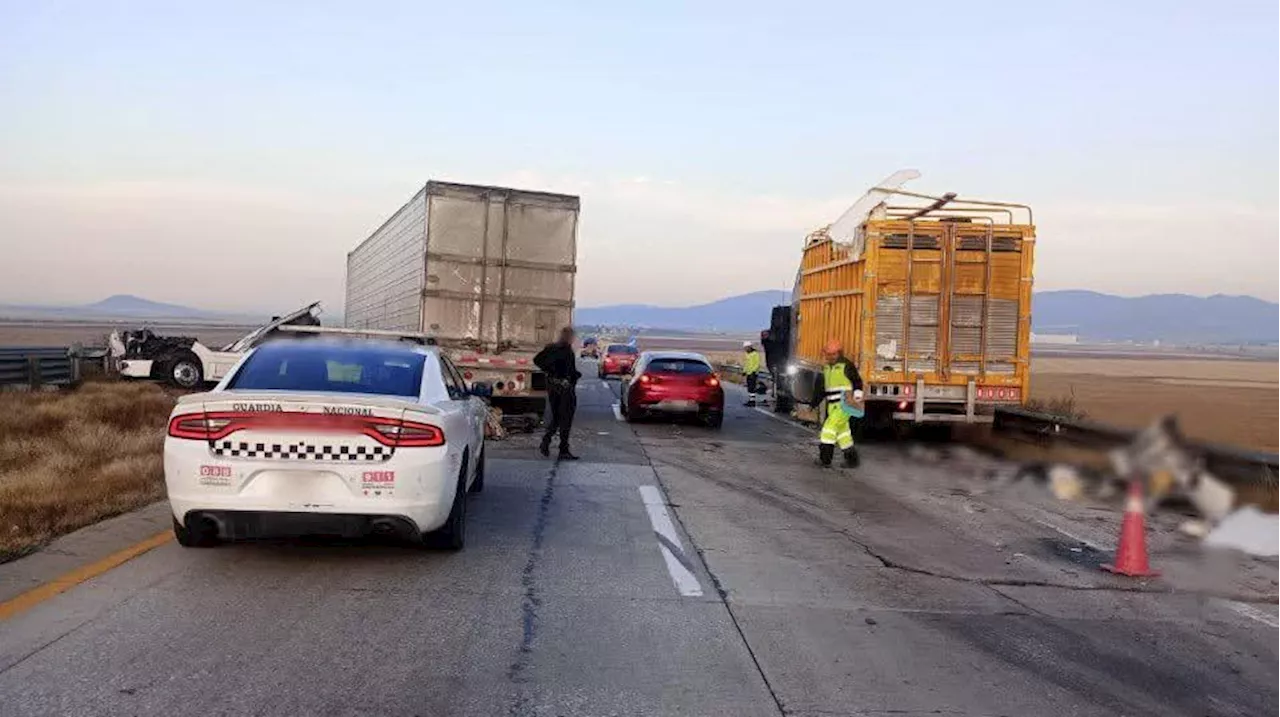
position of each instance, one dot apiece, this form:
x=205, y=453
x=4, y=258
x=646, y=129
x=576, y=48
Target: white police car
x=331, y=437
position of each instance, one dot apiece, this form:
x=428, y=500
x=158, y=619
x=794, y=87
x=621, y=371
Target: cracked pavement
x=898, y=589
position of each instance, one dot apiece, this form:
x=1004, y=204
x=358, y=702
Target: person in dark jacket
x=560, y=365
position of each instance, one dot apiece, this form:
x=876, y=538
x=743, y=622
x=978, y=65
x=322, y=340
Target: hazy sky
x=229, y=154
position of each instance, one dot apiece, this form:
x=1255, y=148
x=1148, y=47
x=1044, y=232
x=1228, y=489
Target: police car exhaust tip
x=205, y=524
x=386, y=528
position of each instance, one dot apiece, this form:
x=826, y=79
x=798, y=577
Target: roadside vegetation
x=71, y=458
x=1063, y=407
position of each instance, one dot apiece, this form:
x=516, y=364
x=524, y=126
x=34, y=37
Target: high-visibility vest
x=835, y=382
x=751, y=363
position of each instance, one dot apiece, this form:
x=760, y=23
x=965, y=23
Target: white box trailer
x=486, y=272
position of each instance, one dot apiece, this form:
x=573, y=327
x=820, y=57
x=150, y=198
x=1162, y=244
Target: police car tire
x=188, y=538
x=477, y=483
x=453, y=534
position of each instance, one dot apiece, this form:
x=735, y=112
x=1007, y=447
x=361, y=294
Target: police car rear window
x=679, y=365
x=306, y=366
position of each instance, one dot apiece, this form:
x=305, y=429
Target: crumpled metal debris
x=493, y=428
x=1159, y=456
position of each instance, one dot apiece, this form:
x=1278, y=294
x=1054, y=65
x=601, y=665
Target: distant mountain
x=129, y=305
x=1170, y=318
x=736, y=313
x=123, y=308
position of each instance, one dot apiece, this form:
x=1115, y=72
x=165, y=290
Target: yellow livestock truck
x=930, y=296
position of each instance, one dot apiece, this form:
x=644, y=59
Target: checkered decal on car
x=302, y=451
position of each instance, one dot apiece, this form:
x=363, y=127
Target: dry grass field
x=71, y=458
x=1225, y=401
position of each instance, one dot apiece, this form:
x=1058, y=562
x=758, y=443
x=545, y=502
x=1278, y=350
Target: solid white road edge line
x=1062, y=531
x=656, y=506
x=790, y=422
x=1251, y=612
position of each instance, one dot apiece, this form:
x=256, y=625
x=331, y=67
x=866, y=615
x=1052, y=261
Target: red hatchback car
x=673, y=383
x=618, y=360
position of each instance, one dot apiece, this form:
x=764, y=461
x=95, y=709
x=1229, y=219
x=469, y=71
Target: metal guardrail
x=1232, y=464
x=730, y=371
x=33, y=367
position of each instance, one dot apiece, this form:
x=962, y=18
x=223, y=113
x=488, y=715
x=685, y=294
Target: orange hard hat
x=833, y=348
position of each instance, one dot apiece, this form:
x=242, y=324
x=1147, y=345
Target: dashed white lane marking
x=617, y=411
x=1251, y=612
x=656, y=506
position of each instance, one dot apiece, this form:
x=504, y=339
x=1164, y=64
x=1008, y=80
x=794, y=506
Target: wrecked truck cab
x=184, y=362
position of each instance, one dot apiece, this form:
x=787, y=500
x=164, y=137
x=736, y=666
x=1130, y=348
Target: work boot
x=826, y=452
x=851, y=458
x=545, y=448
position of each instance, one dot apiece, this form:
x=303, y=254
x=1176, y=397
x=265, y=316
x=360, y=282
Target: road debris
x=1159, y=457
x=493, y=428
x=1248, y=530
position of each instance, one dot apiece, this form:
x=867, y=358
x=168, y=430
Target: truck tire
x=184, y=371
x=783, y=403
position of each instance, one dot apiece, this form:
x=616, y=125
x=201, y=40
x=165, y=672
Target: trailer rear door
x=500, y=266
x=951, y=301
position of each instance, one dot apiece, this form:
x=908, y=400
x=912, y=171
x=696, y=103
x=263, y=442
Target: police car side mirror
x=481, y=389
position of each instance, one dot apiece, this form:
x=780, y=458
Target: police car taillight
x=387, y=431
x=198, y=426
x=408, y=434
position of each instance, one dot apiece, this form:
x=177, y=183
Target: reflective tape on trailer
x=490, y=361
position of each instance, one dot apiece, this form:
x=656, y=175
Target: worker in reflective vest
x=751, y=372
x=841, y=389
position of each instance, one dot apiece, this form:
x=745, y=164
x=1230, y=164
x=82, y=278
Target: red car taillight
x=712, y=381
x=648, y=379
x=393, y=432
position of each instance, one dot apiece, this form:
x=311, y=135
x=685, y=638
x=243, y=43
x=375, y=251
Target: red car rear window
x=621, y=349
x=691, y=367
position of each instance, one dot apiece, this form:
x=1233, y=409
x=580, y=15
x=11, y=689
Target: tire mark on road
x=532, y=599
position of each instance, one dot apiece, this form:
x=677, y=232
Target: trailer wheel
x=185, y=371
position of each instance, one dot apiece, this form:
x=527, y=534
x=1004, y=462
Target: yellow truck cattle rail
x=931, y=298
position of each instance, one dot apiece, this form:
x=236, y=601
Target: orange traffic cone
x=1131, y=556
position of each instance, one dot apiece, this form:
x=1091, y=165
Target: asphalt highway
x=674, y=570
